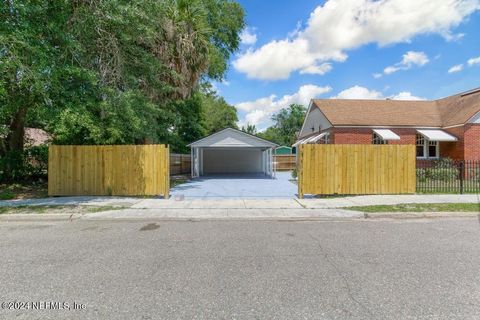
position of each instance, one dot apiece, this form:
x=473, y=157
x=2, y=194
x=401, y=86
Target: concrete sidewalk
x=320, y=203
x=225, y=214
x=233, y=209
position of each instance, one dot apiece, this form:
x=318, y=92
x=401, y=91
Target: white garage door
x=238, y=160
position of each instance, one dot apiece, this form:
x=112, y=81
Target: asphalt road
x=421, y=269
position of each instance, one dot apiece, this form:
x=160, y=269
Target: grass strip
x=420, y=207
x=26, y=209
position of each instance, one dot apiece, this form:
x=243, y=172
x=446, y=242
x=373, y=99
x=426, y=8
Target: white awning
x=437, y=135
x=310, y=139
x=386, y=134
x=317, y=137
x=298, y=142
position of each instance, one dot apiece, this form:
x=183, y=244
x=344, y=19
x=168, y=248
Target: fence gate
x=127, y=170
x=356, y=169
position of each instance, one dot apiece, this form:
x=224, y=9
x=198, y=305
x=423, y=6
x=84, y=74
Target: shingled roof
x=450, y=111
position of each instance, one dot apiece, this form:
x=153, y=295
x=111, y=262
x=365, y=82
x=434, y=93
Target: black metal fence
x=448, y=176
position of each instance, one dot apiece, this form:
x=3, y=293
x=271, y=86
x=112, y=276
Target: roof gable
x=232, y=138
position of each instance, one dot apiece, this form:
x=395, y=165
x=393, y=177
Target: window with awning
x=428, y=142
x=437, y=135
x=386, y=134
x=383, y=136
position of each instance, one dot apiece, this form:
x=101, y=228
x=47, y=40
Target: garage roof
x=232, y=138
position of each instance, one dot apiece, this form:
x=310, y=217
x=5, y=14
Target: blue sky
x=293, y=51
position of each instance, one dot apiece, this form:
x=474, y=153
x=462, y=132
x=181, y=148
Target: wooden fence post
x=167, y=171
x=300, y=171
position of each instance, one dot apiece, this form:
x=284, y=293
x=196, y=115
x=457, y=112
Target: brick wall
x=351, y=136
x=466, y=148
x=407, y=136
x=472, y=141
x=364, y=136
x=454, y=150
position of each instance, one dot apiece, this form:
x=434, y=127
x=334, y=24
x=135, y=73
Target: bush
x=443, y=170
x=421, y=175
x=31, y=163
x=442, y=174
x=294, y=173
x=7, y=195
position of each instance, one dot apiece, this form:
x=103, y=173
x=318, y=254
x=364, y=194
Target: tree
x=104, y=71
x=217, y=113
x=250, y=129
x=288, y=122
x=271, y=134
x=32, y=55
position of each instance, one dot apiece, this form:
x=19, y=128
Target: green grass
x=7, y=195
x=176, y=182
x=105, y=208
x=420, y=207
x=57, y=209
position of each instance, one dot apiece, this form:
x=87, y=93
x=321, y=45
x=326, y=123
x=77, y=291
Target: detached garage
x=232, y=151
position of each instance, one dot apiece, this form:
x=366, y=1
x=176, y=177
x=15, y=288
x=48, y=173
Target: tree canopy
x=286, y=124
x=114, y=72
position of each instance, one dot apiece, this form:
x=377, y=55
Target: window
x=426, y=149
x=376, y=139
x=433, y=149
x=420, y=146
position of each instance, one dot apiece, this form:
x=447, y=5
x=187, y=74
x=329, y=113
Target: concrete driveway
x=239, y=186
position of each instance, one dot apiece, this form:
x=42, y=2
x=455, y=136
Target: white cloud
x=377, y=75
x=414, y=58
x=409, y=59
x=473, y=61
x=456, y=68
x=359, y=92
x=261, y=110
x=390, y=70
x=341, y=25
x=248, y=36
x=317, y=69
x=405, y=95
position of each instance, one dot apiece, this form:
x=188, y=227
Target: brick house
x=448, y=127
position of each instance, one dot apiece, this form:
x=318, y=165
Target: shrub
x=7, y=195
x=421, y=175
x=442, y=174
x=31, y=163
x=294, y=173
x=444, y=169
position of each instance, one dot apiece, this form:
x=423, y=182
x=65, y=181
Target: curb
x=420, y=215
x=18, y=217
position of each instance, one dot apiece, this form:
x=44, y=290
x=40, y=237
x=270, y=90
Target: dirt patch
x=24, y=190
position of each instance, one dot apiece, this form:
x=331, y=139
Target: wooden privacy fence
x=180, y=164
x=285, y=162
x=127, y=170
x=356, y=169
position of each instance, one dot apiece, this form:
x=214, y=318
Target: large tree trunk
x=16, y=134
x=12, y=145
